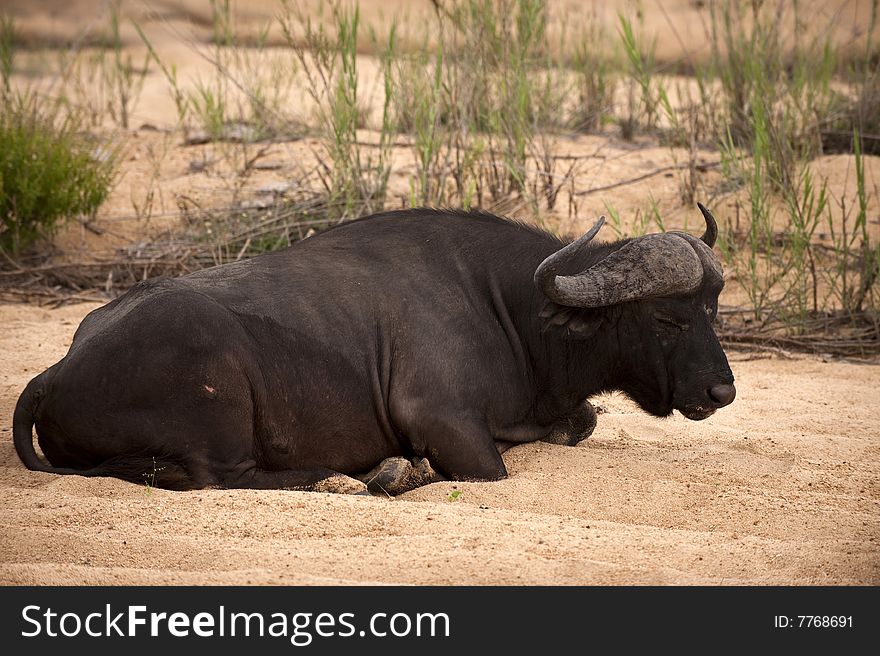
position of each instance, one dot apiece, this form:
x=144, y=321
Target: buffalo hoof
x=389, y=477
x=424, y=473
x=341, y=484
x=397, y=475
x=576, y=428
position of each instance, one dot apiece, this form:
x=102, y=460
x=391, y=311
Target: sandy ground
x=779, y=488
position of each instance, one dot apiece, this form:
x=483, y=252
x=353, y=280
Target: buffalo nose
x=722, y=394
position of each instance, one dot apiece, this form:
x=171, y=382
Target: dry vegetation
x=214, y=133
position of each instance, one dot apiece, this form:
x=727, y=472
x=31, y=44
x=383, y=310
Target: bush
x=48, y=170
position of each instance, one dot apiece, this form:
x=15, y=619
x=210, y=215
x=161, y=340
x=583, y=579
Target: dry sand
x=779, y=488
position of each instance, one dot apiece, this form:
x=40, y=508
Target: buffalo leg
x=458, y=444
x=465, y=452
x=311, y=480
x=504, y=445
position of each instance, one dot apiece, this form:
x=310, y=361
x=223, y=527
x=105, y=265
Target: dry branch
x=645, y=176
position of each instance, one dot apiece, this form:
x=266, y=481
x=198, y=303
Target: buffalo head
x=651, y=301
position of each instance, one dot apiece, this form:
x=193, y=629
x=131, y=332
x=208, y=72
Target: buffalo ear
x=584, y=326
x=554, y=314
x=578, y=323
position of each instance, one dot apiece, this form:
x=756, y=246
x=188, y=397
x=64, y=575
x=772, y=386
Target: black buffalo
x=395, y=350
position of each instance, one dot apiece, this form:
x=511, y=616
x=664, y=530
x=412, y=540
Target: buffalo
x=379, y=355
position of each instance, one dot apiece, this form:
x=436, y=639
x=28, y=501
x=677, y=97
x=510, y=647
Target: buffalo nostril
x=722, y=394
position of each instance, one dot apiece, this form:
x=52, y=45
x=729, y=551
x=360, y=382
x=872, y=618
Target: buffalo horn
x=711, y=233
x=545, y=274
x=666, y=264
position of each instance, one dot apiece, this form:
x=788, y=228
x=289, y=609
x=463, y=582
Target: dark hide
x=413, y=333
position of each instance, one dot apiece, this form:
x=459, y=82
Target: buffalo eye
x=672, y=321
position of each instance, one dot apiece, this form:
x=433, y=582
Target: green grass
x=355, y=176
x=853, y=280
x=475, y=105
x=7, y=52
x=123, y=79
x=481, y=96
x=103, y=84
x=597, y=78
x=774, y=106
x=242, y=98
x=150, y=478
x=642, y=107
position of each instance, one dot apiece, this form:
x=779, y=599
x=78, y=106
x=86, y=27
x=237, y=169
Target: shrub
x=48, y=171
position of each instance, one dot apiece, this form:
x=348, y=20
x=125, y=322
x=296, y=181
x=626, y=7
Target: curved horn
x=654, y=265
x=711, y=233
x=546, y=273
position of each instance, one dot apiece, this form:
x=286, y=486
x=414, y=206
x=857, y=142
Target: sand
x=779, y=488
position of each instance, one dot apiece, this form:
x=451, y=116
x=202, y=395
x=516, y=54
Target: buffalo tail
x=136, y=468
x=23, y=425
